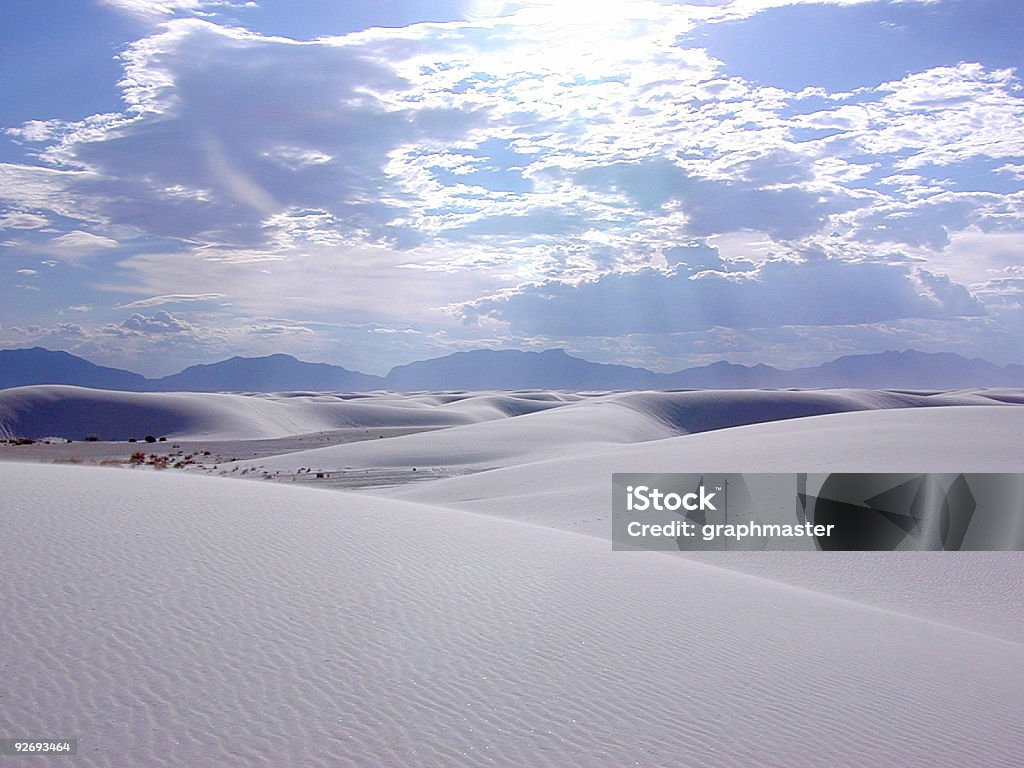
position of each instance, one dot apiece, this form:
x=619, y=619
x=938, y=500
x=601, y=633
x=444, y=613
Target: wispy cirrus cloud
x=170, y=298
x=153, y=10
x=22, y=220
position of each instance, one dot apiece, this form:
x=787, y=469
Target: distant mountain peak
x=489, y=369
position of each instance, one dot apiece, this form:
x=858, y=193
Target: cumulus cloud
x=947, y=115
x=778, y=293
x=1016, y=170
x=492, y=132
x=70, y=331
x=160, y=323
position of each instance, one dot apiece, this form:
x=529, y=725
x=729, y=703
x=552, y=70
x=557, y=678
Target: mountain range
x=511, y=369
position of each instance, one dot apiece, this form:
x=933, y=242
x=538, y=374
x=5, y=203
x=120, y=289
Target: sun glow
x=575, y=38
x=480, y=10
x=562, y=12
x=580, y=12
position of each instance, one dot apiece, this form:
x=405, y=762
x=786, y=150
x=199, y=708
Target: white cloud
x=974, y=257
x=818, y=292
x=21, y=220
x=64, y=192
x=160, y=323
x=171, y=298
x=474, y=133
x=947, y=115
x=36, y=130
x=379, y=177
x=1013, y=169
x=154, y=7
x=297, y=158
x=277, y=329
x=154, y=10
x=76, y=240
x=353, y=284
x=76, y=245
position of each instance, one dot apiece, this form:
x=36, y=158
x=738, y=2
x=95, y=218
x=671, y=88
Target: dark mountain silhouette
x=723, y=375
x=274, y=373
x=21, y=367
x=909, y=369
x=512, y=369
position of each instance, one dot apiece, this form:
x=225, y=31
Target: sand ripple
x=175, y=620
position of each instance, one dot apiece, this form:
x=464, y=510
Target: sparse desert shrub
x=150, y=439
x=139, y=457
x=91, y=439
x=132, y=440
x=163, y=439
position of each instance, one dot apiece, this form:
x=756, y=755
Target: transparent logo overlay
x=822, y=511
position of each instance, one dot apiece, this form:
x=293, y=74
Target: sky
x=648, y=182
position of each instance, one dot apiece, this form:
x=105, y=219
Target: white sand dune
x=164, y=619
x=566, y=490
x=574, y=493
x=599, y=421
x=534, y=436
x=705, y=410
x=77, y=412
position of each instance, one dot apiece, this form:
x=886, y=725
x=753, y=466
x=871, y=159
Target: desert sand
x=183, y=618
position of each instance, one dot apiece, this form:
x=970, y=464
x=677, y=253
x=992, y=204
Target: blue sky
x=662, y=184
